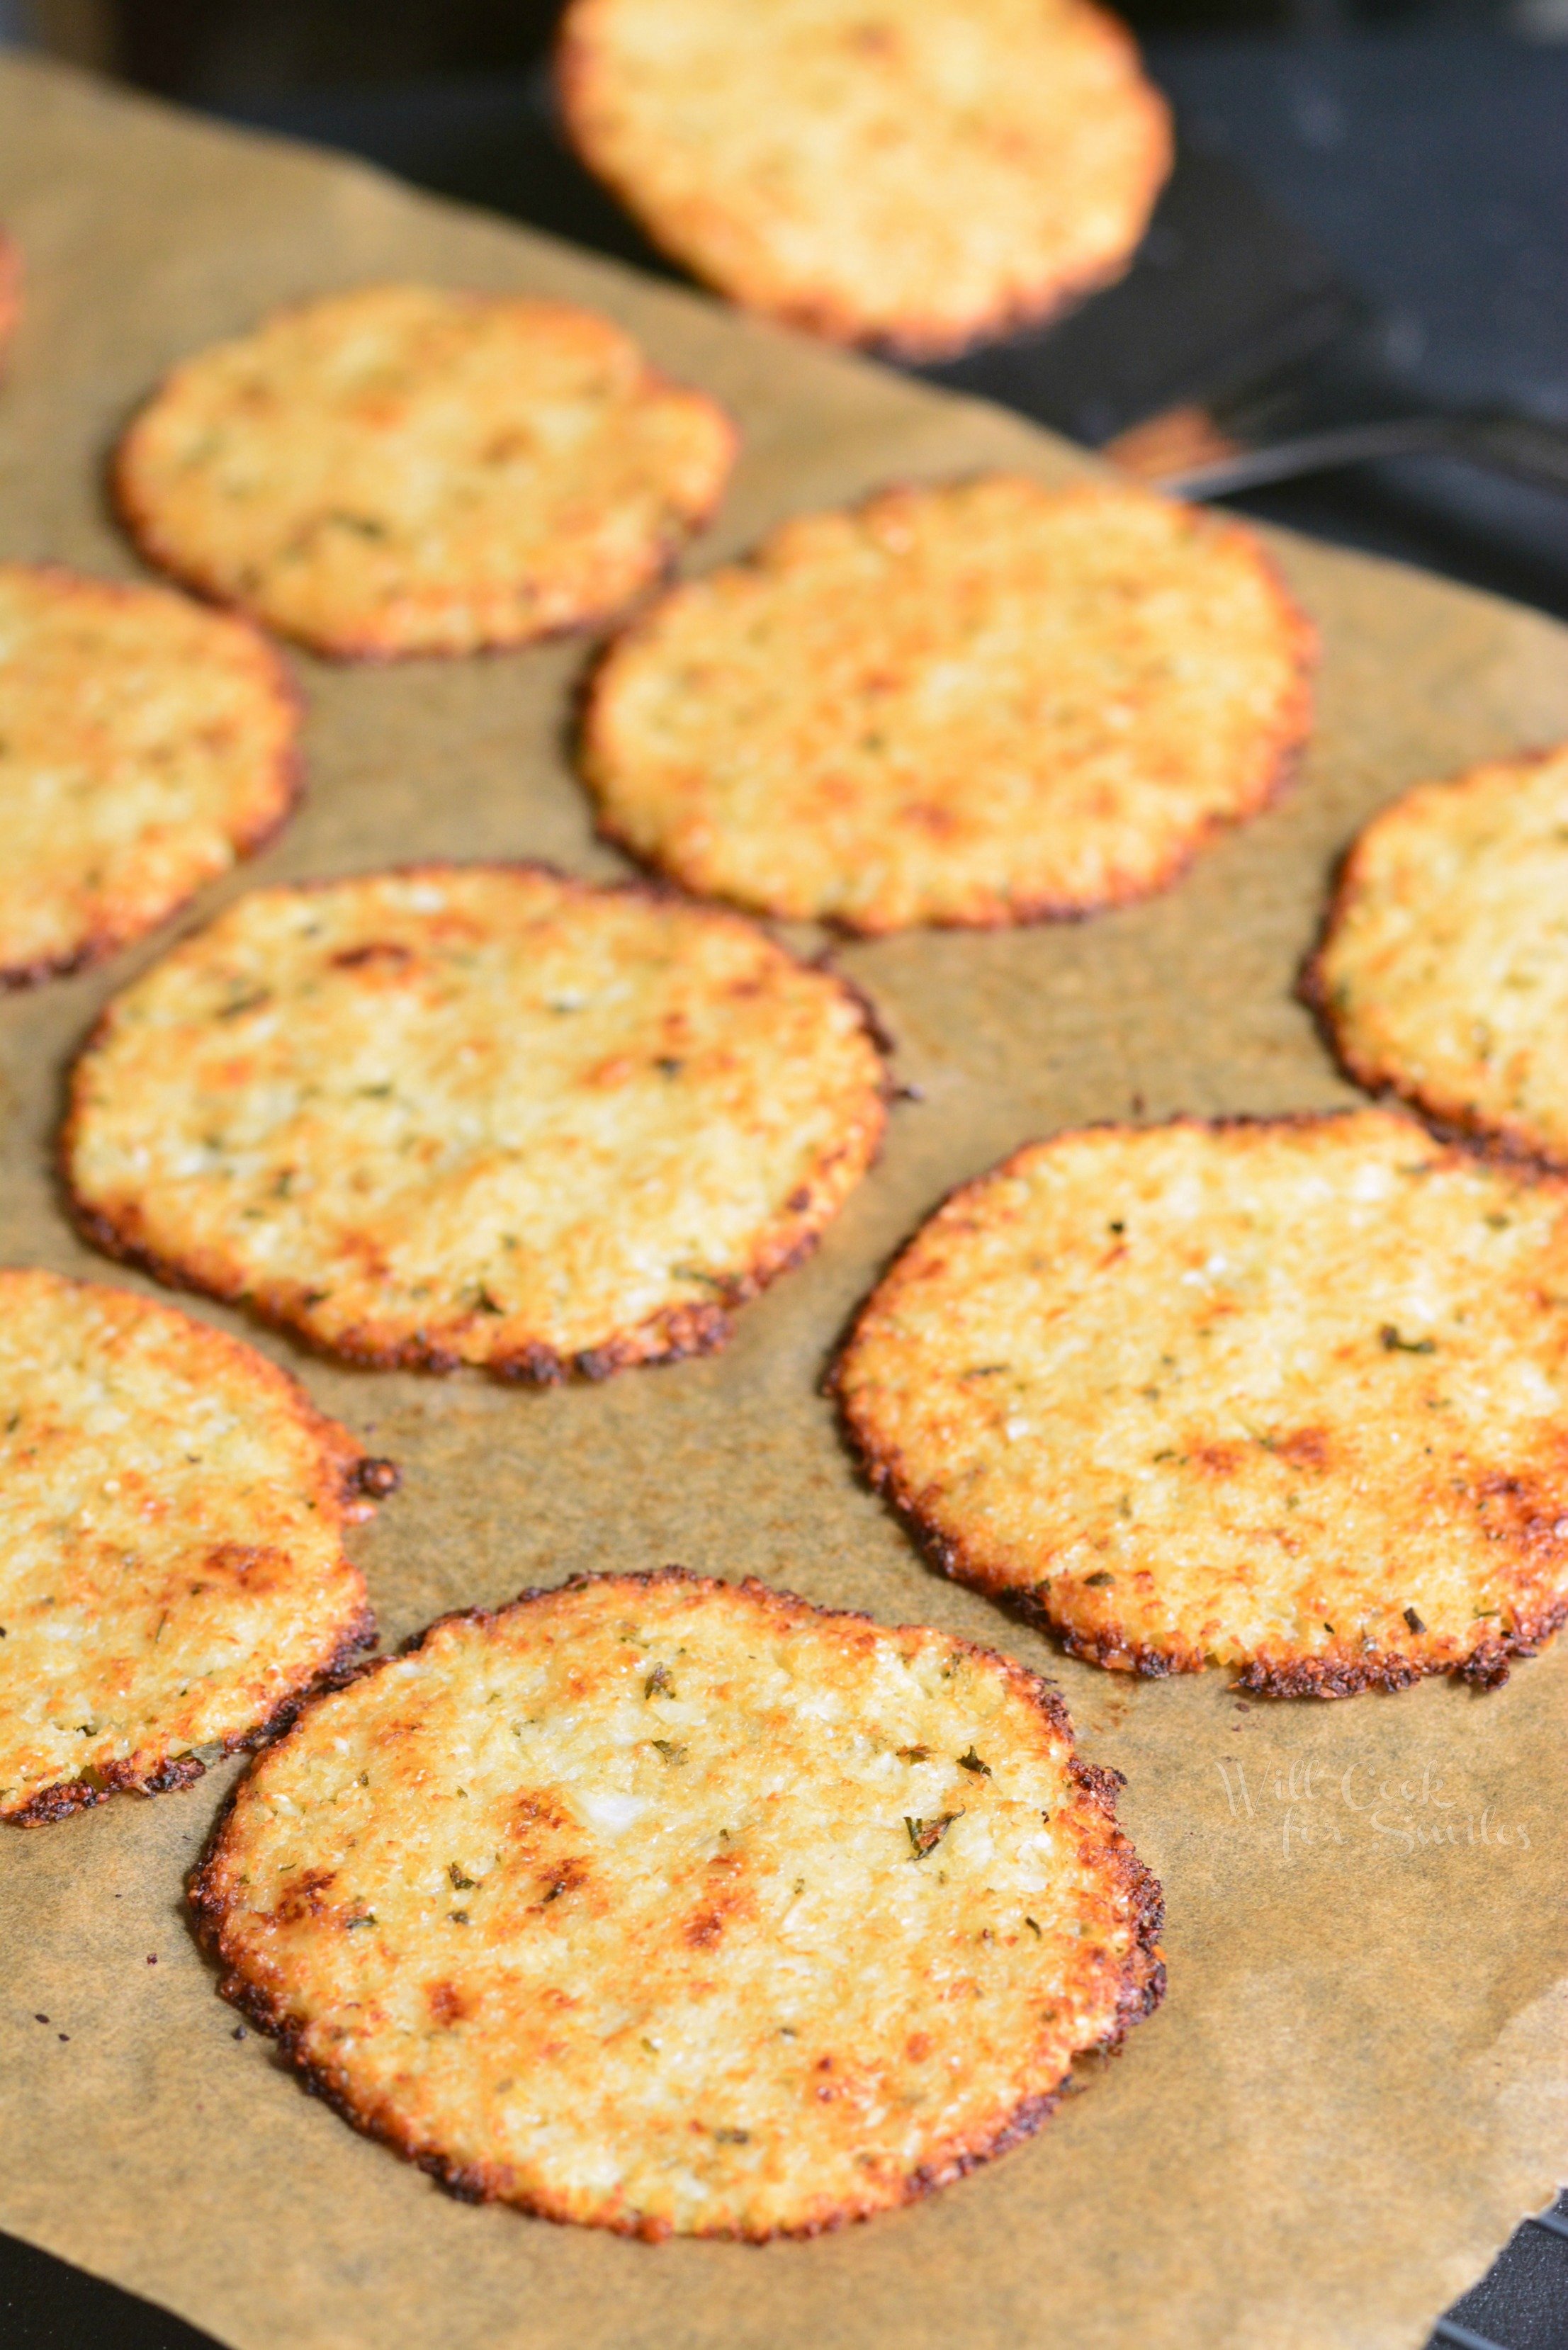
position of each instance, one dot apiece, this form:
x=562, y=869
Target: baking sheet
x=1359, y=2081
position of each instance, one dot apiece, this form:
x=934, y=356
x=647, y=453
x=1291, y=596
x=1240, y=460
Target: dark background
x=223, y=53
x=1419, y=148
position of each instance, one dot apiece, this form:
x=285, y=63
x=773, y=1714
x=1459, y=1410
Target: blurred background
x=1369, y=218
x=224, y=53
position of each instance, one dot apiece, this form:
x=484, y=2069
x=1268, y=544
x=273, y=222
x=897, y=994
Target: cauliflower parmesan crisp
x=675, y=1905
x=171, y=1565
x=1444, y=973
x=144, y=746
x=406, y=470
x=918, y=173
x=979, y=703
x=476, y=1114
x=1290, y=1396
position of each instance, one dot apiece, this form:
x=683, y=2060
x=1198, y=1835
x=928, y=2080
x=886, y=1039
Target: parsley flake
x=926, y=1834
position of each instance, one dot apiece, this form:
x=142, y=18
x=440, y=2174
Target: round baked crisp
x=874, y=171
x=1286, y=1395
x=1444, y=973
x=476, y=1114
x=406, y=470
x=979, y=703
x=171, y=1566
x=670, y=1905
x=144, y=746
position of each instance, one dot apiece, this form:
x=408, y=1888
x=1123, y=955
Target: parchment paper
x=1359, y=2081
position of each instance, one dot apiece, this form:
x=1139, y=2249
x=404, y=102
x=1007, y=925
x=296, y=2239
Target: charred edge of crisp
x=1284, y=747
x=880, y=1468
x=1334, y=1675
x=269, y=663
x=480, y=2182
x=1143, y=1980
x=1485, y=1667
x=575, y=75
x=669, y=1334
x=1288, y=749
x=665, y=547
x=871, y=1019
x=1503, y=1146
x=662, y=886
x=673, y=1336
x=68, y=1795
x=358, y=1479
x=371, y=1478
x=1109, y=1648
x=1141, y=1988
x=1504, y=1142
x=96, y=949
x=676, y=1336
x=1026, y=1603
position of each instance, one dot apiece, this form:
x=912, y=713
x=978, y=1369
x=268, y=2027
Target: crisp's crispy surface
x=172, y=1568
x=917, y=172
x=1444, y=974
x=1290, y=1396
x=144, y=745
x=665, y=1904
x=476, y=1114
x=972, y=704
x=404, y=469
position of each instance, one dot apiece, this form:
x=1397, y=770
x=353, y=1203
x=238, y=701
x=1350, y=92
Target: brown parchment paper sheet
x=1359, y=2081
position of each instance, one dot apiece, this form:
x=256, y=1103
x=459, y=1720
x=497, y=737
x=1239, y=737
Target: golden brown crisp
x=476, y=1114
x=981, y=703
x=914, y=176
x=406, y=470
x=1444, y=973
x=1290, y=1396
x=171, y=1565
x=673, y=1906
x=144, y=746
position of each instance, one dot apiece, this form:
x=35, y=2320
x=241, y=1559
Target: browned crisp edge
x=1486, y=1666
x=287, y=788
x=672, y=1333
x=139, y=523
x=917, y=337
x=1509, y=1141
x=1281, y=743
x=355, y=1482
x=1143, y=1976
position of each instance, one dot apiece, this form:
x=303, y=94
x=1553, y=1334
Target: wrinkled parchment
x=1359, y=2081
